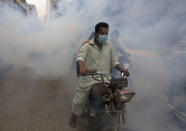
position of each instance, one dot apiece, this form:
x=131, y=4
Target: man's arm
x=82, y=68
x=81, y=58
x=115, y=62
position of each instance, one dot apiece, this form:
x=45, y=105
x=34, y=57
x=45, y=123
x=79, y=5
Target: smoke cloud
x=36, y=60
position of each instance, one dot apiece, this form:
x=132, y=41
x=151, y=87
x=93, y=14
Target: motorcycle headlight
x=126, y=97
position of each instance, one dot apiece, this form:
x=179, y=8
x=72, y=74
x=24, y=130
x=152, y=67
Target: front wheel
x=107, y=123
x=102, y=122
x=121, y=120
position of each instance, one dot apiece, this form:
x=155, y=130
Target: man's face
x=102, y=31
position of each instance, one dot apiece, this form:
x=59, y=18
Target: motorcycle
x=106, y=106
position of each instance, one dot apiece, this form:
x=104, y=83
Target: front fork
x=120, y=119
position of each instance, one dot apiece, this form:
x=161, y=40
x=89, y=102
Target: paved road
x=34, y=104
x=28, y=103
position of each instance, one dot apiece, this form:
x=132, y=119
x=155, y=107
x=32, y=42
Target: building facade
x=19, y=4
x=52, y=8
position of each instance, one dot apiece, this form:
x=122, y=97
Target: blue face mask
x=102, y=39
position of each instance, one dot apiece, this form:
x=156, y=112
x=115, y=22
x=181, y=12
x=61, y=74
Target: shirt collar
x=92, y=42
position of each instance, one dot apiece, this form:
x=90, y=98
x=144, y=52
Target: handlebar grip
x=123, y=74
x=89, y=73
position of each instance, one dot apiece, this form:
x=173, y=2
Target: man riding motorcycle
x=97, y=55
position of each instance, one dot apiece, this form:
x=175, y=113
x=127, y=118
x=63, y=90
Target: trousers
x=79, y=102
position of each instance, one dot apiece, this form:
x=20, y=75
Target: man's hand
x=87, y=41
x=126, y=72
x=82, y=68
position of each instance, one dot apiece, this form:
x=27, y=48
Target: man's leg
x=78, y=105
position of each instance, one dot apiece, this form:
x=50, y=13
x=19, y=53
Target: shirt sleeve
x=83, y=51
x=114, y=57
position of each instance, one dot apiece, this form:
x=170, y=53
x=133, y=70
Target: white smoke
x=48, y=49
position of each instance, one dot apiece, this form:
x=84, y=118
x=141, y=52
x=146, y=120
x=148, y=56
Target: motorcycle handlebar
x=95, y=73
x=92, y=73
x=102, y=74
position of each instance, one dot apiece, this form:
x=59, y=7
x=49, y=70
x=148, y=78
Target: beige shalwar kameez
x=94, y=59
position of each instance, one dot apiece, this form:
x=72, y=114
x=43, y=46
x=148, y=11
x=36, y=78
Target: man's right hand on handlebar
x=82, y=68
